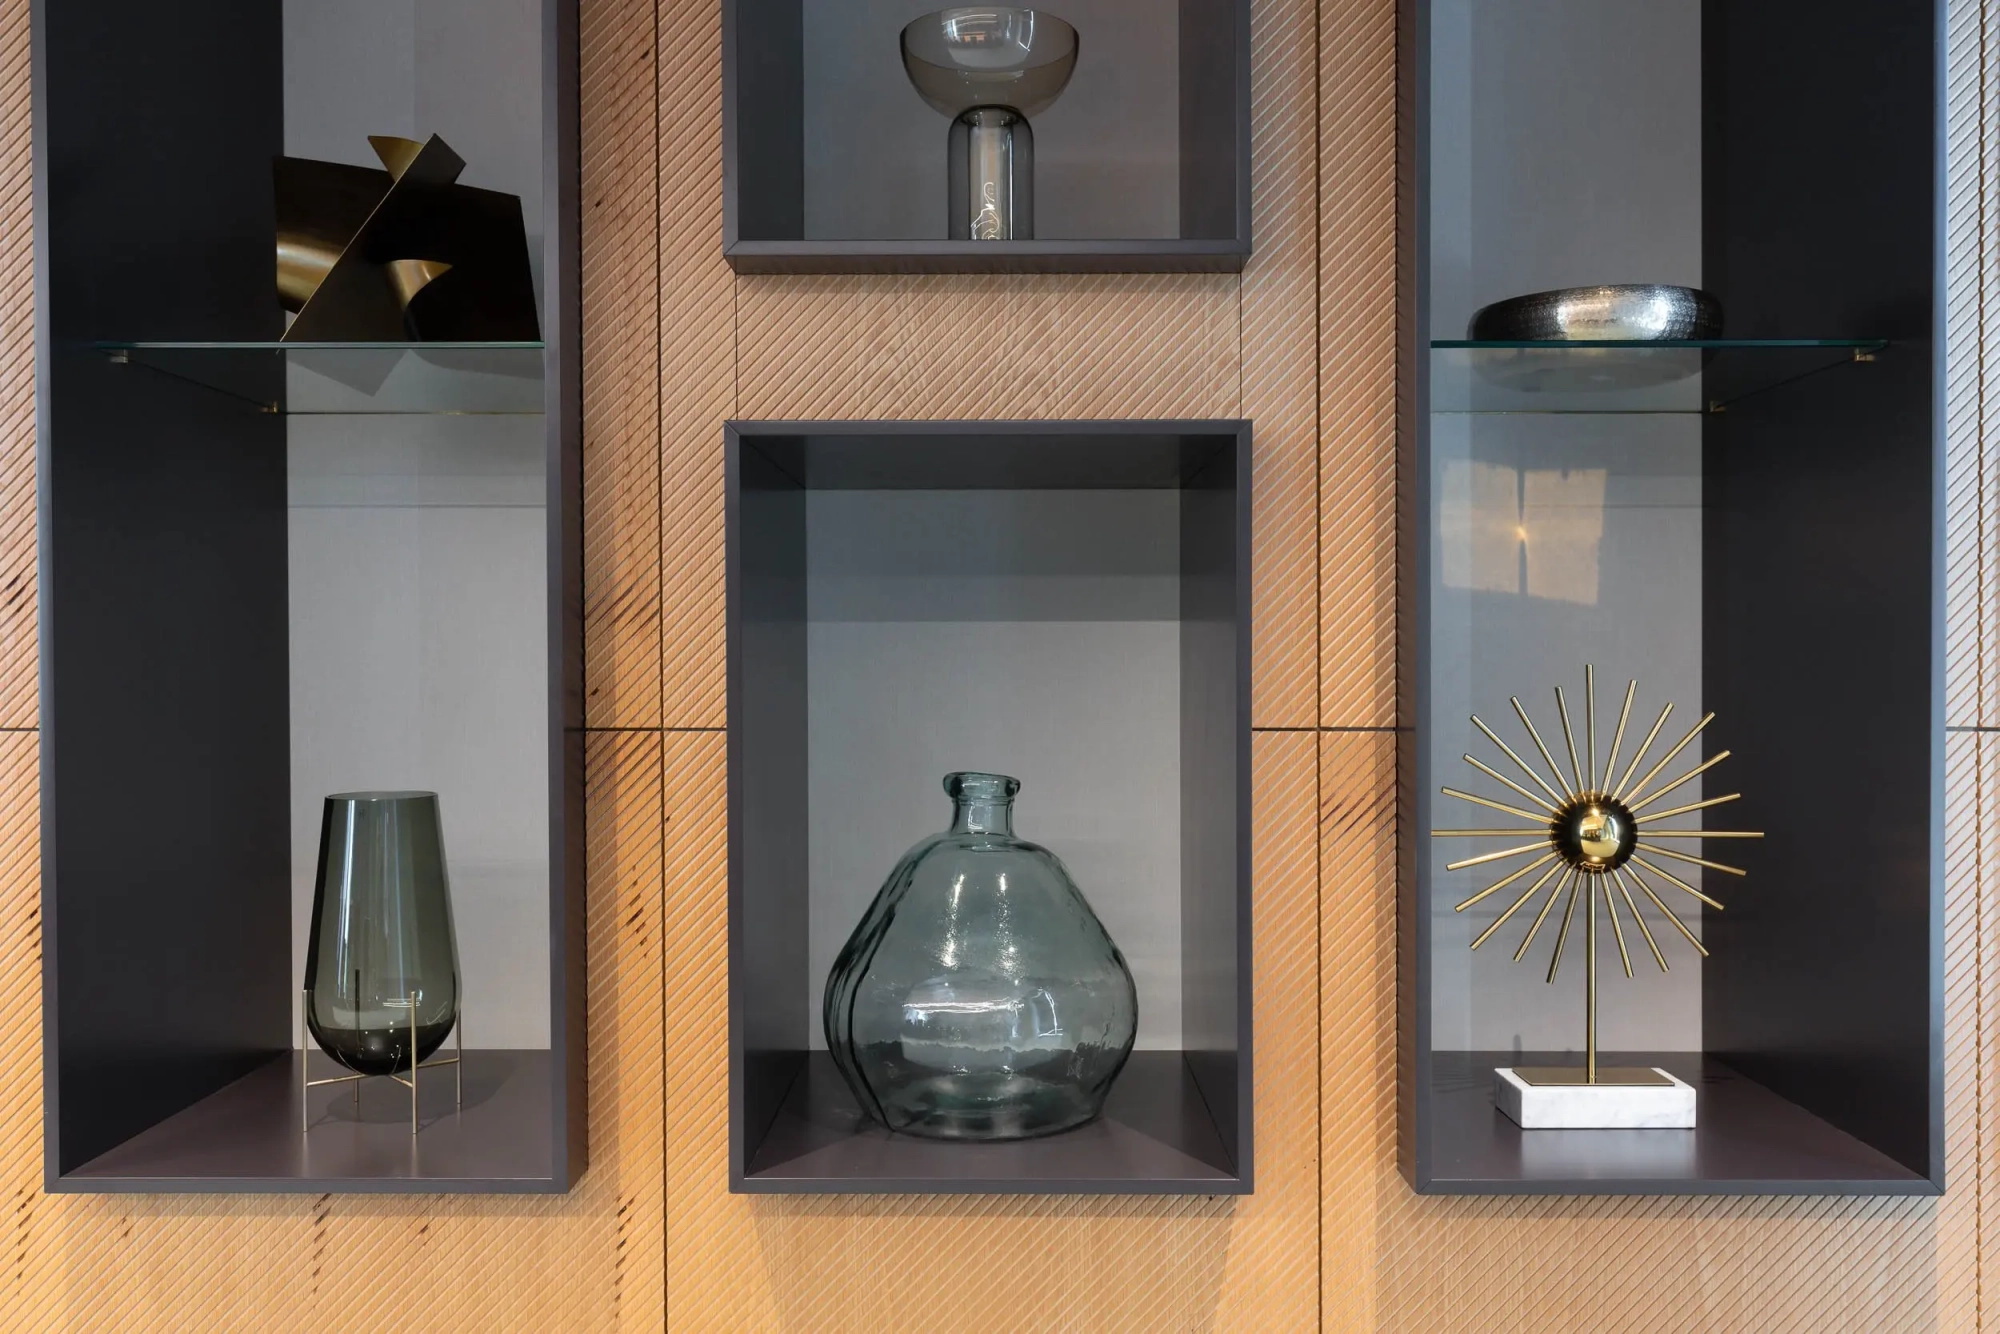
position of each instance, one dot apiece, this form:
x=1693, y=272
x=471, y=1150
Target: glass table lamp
x=990, y=67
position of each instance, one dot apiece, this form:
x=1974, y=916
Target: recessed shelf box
x=833, y=164
x=275, y=571
x=1067, y=602
x=1748, y=525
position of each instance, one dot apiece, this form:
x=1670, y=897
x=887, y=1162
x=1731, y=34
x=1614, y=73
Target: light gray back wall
x=1566, y=150
x=1107, y=154
x=418, y=543
x=953, y=630
x=418, y=660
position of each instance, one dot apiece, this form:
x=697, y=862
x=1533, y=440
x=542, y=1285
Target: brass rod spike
x=1638, y=803
x=1508, y=751
x=1672, y=916
x=1490, y=804
x=1697, y=806
x=1644, y=930
x=1554, y=894
x=1644, y=746
x=1589, y=727
x=1676, y=882
x=1617, y=932
x=1703, y=833
x=1668, y=758
x=1569, y=740
x=1526, y=894
x=1692, y=861
x=1562, y=935
x=1543, y=860
x=1483, y=858
x=1505, y=781
x=1478, y=833
x=1542, y=746
x=1611, y=760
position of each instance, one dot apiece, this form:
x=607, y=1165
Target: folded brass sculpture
x=404, y=253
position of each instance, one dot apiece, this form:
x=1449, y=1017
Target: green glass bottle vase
x=382, y=960
x=980, y=998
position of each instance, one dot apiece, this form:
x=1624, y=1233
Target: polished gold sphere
x=1598, y=833
x=1595, y=833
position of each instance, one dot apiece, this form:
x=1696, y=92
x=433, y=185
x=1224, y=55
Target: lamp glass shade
x=382, y=960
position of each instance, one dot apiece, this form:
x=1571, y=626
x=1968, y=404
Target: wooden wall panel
x=1357, y=363
x=1078, y=345
x=1302, y=343
x=1280, y=374
x=18, y=693
x=697, y=366
x=1972, y=359
x=621, y=365
x=1972, y=268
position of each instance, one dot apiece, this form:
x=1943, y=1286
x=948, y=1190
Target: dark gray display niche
x=1178, y=1121
x=1819, y=622
x=168, y=625
x=833, y=164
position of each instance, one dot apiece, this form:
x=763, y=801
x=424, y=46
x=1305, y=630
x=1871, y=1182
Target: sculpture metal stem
x=1590, y=995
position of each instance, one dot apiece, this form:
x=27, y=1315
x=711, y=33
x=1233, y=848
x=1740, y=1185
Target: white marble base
x=1594, y=1106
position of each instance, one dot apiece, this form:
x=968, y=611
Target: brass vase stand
x=456, y=1061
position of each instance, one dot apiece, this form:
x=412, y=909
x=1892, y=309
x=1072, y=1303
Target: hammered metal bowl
x=1622, y=312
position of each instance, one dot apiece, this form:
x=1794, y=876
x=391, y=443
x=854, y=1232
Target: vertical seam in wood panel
x=1319, y=657
x=660, y=444
x=660, y=511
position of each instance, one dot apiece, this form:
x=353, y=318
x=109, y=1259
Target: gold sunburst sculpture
x=1592, y=835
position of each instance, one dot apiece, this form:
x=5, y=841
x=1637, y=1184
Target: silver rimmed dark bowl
x=1617, y=312
x=1620, y=312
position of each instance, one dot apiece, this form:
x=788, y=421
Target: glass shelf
x=1691, y=376
x=356, y=379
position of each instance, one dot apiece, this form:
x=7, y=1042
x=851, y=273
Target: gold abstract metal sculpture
x=1592, y=834
x=404, y=253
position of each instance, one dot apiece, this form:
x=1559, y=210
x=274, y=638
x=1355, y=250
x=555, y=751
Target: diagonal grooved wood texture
x=697, y=366
x=620, y=287
x=1280, y=377
x=1357, y=364
x=19, y=700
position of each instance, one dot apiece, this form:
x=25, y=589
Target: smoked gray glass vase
x=980, y=998
x=382, y=959
x=990, y=67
